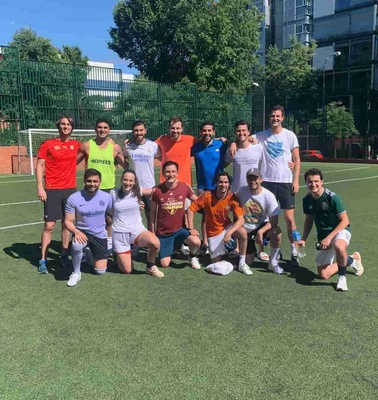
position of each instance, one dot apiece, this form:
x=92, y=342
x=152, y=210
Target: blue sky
x=83, y=23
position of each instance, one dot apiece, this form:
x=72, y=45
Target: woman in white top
x=128, y=228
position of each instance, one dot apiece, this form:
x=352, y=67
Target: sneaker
x=244, y=268
x=357, y=264
x=65, y=261
x=194, y=261
x=276, y=269
x=294, y=260
x=155, y=271
x=42, y=267
x=74, y=279
x=185, y=250
x=342, y=284
x=233, y=254
x=204, y=249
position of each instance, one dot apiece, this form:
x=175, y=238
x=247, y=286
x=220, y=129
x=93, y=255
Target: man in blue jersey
x=88, y=206
x=209, y=158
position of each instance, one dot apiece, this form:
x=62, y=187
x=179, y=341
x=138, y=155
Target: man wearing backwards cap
x=261, y=211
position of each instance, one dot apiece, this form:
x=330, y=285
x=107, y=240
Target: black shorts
x=98, y=246
x=251, y=245
x=54, y=206
x=282, y=192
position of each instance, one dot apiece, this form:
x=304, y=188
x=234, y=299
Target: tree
x=202, y=42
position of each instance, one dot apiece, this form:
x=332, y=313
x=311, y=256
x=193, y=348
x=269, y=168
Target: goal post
x=29, y=141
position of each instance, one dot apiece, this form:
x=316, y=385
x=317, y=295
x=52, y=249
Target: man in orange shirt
x=217, y=204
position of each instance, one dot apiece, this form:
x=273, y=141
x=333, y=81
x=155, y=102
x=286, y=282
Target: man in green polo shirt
x=326, y=209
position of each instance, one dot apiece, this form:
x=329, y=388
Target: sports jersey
x=243, y=160
x=141, y=159
x=277, y=154
x=257, y=208
x=178, y=151
x=60, y=163
x=209, y=162
x=126, y=213
x=103, y=161
x=325, y=211
x=217, y=210
x=90, y=211
x=170, y=207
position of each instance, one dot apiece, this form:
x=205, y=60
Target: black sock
x=342, y=270
x=349, y=261
x=150, y=264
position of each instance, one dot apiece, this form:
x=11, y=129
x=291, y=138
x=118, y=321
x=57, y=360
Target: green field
x=190, y=335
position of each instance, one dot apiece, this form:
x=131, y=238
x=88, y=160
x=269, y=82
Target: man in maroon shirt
x=167, y=216
x=57, y=158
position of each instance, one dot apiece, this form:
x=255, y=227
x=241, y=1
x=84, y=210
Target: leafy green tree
x=202, y=42
x=73, y=55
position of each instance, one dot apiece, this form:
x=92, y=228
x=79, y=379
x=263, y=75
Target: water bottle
x=301, y=251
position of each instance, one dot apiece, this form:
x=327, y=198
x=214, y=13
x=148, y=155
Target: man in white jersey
x=140, y=154
x=280, y=146
x=261, y=211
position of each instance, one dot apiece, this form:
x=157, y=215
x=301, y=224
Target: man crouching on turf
x=217, y=204
x=88, y=206
x=167, y=218
x=326, y=209
x=261, y=211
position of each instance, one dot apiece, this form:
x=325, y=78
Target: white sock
x=293, y=249
x=241, y=260
x=274, y=254
x=110, y=242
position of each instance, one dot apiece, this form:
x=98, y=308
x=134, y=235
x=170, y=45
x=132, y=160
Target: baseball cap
x=254, y=171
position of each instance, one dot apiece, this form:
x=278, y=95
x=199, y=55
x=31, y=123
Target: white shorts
x=326, y=257
x=122, y=241
x=216, y=245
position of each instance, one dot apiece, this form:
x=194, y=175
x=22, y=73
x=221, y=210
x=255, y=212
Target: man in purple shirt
x=88, y=206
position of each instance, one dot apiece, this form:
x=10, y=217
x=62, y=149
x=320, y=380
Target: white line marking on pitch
x=29, y=180
x=345, y=180
x=342, y=170
x=20, y=202
x=19, y=226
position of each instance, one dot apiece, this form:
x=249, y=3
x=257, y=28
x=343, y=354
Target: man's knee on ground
x=100, y=271
x=164, y=262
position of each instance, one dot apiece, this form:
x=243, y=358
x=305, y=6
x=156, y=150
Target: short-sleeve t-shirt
x=180, y=152
x=217, y=211
x=325, y=211
x=60, y=163
x=90, y=211
x=170, y=215
x=277, y=154
x=257, y=208
x=141, y=158
x=126, y=213
x=209, y=162
x=243, y=160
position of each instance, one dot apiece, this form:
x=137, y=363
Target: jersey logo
x=217, y=150
x=275, y=149
x=102, y=203
x=324, y=206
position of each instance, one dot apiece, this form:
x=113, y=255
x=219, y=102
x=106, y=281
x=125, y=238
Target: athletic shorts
x=98, y=246
x=147, y=204
x=54, y=206
x=216, y=245
x=169, y=243
x=122, y=241
x=251, y=245
x=282, y=192
x=326, y=257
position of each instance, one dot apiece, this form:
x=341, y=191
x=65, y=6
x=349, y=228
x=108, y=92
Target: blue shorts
x=168, y=243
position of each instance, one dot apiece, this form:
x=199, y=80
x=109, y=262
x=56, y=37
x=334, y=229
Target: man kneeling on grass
x=326, y=209
x=217, y=204
x=88, y=206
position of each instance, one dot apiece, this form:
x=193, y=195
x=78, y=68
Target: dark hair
x=137, y=123
x=224, y=173
x=70, y=120
x=91, y=172
x=207, y=123
x=278, y=107
x=168, y=163
x=242, y=122
x=313, y=171
x=175, y=119
x=106, y=121
x=120, y=194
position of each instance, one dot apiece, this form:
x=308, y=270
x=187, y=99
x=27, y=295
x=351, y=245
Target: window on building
x=341, y=4
x=361, y=52
x=342, y=61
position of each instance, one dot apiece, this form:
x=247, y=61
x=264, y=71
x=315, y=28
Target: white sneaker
x=185, y=250
x=342, y=284
x=276, y=269
x=155, y=271
x=357, y=264
x=194, y=261
x=74, y=279
x=244, y=268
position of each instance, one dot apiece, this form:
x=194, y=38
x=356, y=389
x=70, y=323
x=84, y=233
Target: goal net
x=30, y=140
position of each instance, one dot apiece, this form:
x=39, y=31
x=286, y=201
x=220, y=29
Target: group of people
x=239, y=212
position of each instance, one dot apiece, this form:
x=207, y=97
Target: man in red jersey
x=57, y=158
